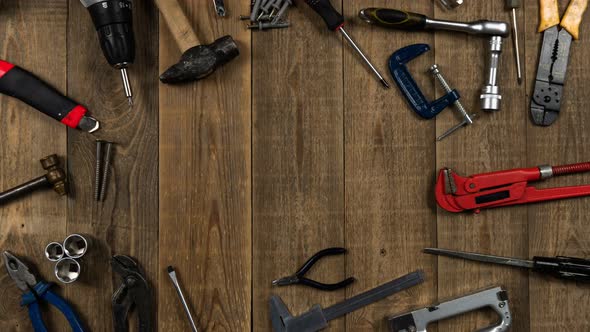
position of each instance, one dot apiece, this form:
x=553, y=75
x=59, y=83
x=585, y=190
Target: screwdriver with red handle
x=335, y=22
x=21, y=84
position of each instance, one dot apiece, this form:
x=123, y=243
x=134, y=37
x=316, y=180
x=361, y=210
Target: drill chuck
x=113, y=20
x=114, y=25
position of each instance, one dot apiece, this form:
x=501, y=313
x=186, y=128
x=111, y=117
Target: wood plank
x=205, y=184
x=390, y=153
x=496, y=142
x=29, y=30
x=126, y=222
x=297, y=168
x=559, y=228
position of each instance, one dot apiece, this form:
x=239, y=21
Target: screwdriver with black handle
x=114, y=25
x=28, y=88
x=335, y=22
x=568, y=268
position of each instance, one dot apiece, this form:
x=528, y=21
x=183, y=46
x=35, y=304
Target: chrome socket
x=75, y=246
x=67, y=270
x=54, y=251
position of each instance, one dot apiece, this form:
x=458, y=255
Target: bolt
x=105, y=171
x=436, y=72
x=99, y=144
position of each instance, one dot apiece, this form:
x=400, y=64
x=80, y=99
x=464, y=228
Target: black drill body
x=113, y=20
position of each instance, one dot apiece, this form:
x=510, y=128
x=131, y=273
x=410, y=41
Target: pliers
x=134, y=291
x=298, y=277
x=554, y=58
x=37, y=291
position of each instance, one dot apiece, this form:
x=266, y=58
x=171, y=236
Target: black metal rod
x=373, y=295
x=24, y=188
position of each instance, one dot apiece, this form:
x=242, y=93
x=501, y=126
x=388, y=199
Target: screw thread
x=105, y=171
x=97, y=170
x=436, y=72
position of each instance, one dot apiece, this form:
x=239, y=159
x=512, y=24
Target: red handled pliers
x=455, y=193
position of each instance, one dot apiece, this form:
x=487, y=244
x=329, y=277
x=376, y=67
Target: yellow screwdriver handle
x=549, y=14
x=573, y=17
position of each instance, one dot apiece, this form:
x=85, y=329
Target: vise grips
x=494, y=298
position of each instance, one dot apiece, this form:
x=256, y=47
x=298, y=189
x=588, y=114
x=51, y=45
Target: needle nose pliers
x=298, y=277
x=37, y=291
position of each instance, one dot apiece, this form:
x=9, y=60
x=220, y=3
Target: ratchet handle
x=395, y=19
x=569, y=268
x=21, y=84
x=334, y=20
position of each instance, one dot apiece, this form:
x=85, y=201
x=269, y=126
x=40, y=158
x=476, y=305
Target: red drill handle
x=570, y=169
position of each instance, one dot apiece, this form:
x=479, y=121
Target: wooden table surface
x=291, y=148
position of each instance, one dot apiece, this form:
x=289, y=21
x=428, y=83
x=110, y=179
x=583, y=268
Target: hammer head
x=201, y=61
x=56, y=176
x=283, y=321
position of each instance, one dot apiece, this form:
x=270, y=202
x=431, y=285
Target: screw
x=97, y=169
x=105, y=171
x=436, y=72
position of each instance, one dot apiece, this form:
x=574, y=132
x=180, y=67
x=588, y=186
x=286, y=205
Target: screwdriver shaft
x=516, y=45
x=360, y=52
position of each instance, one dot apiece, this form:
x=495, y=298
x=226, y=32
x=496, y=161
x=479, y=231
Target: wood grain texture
x=290, y=148
x=559, y=228
x=28, y=30
x=496, y=141
x=205, y=182
x=126, y=223
x=390, y=153
x=297, y=166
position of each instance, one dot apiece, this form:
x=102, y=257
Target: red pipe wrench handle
x=21, y=84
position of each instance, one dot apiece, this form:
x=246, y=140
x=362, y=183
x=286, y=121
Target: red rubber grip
x=5, y=67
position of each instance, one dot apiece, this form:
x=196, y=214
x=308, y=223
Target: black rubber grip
x=114, y=24
x=331, y=16
x=569, y=268
x=394, y=19
x=25, y=86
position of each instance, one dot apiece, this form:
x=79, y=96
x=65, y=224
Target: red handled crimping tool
x=21, y=84
x=455, y=193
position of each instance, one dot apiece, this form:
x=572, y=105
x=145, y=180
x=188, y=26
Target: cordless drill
x=113, y=22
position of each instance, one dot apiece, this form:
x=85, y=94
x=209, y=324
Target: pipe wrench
x=456, y=193
x=494, y=298
x=21, y=84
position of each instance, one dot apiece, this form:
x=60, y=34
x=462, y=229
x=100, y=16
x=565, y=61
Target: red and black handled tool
x=455, y=193
x=335, y=21
x=21, y=84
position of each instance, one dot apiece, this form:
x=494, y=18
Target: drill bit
x=127, y=86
